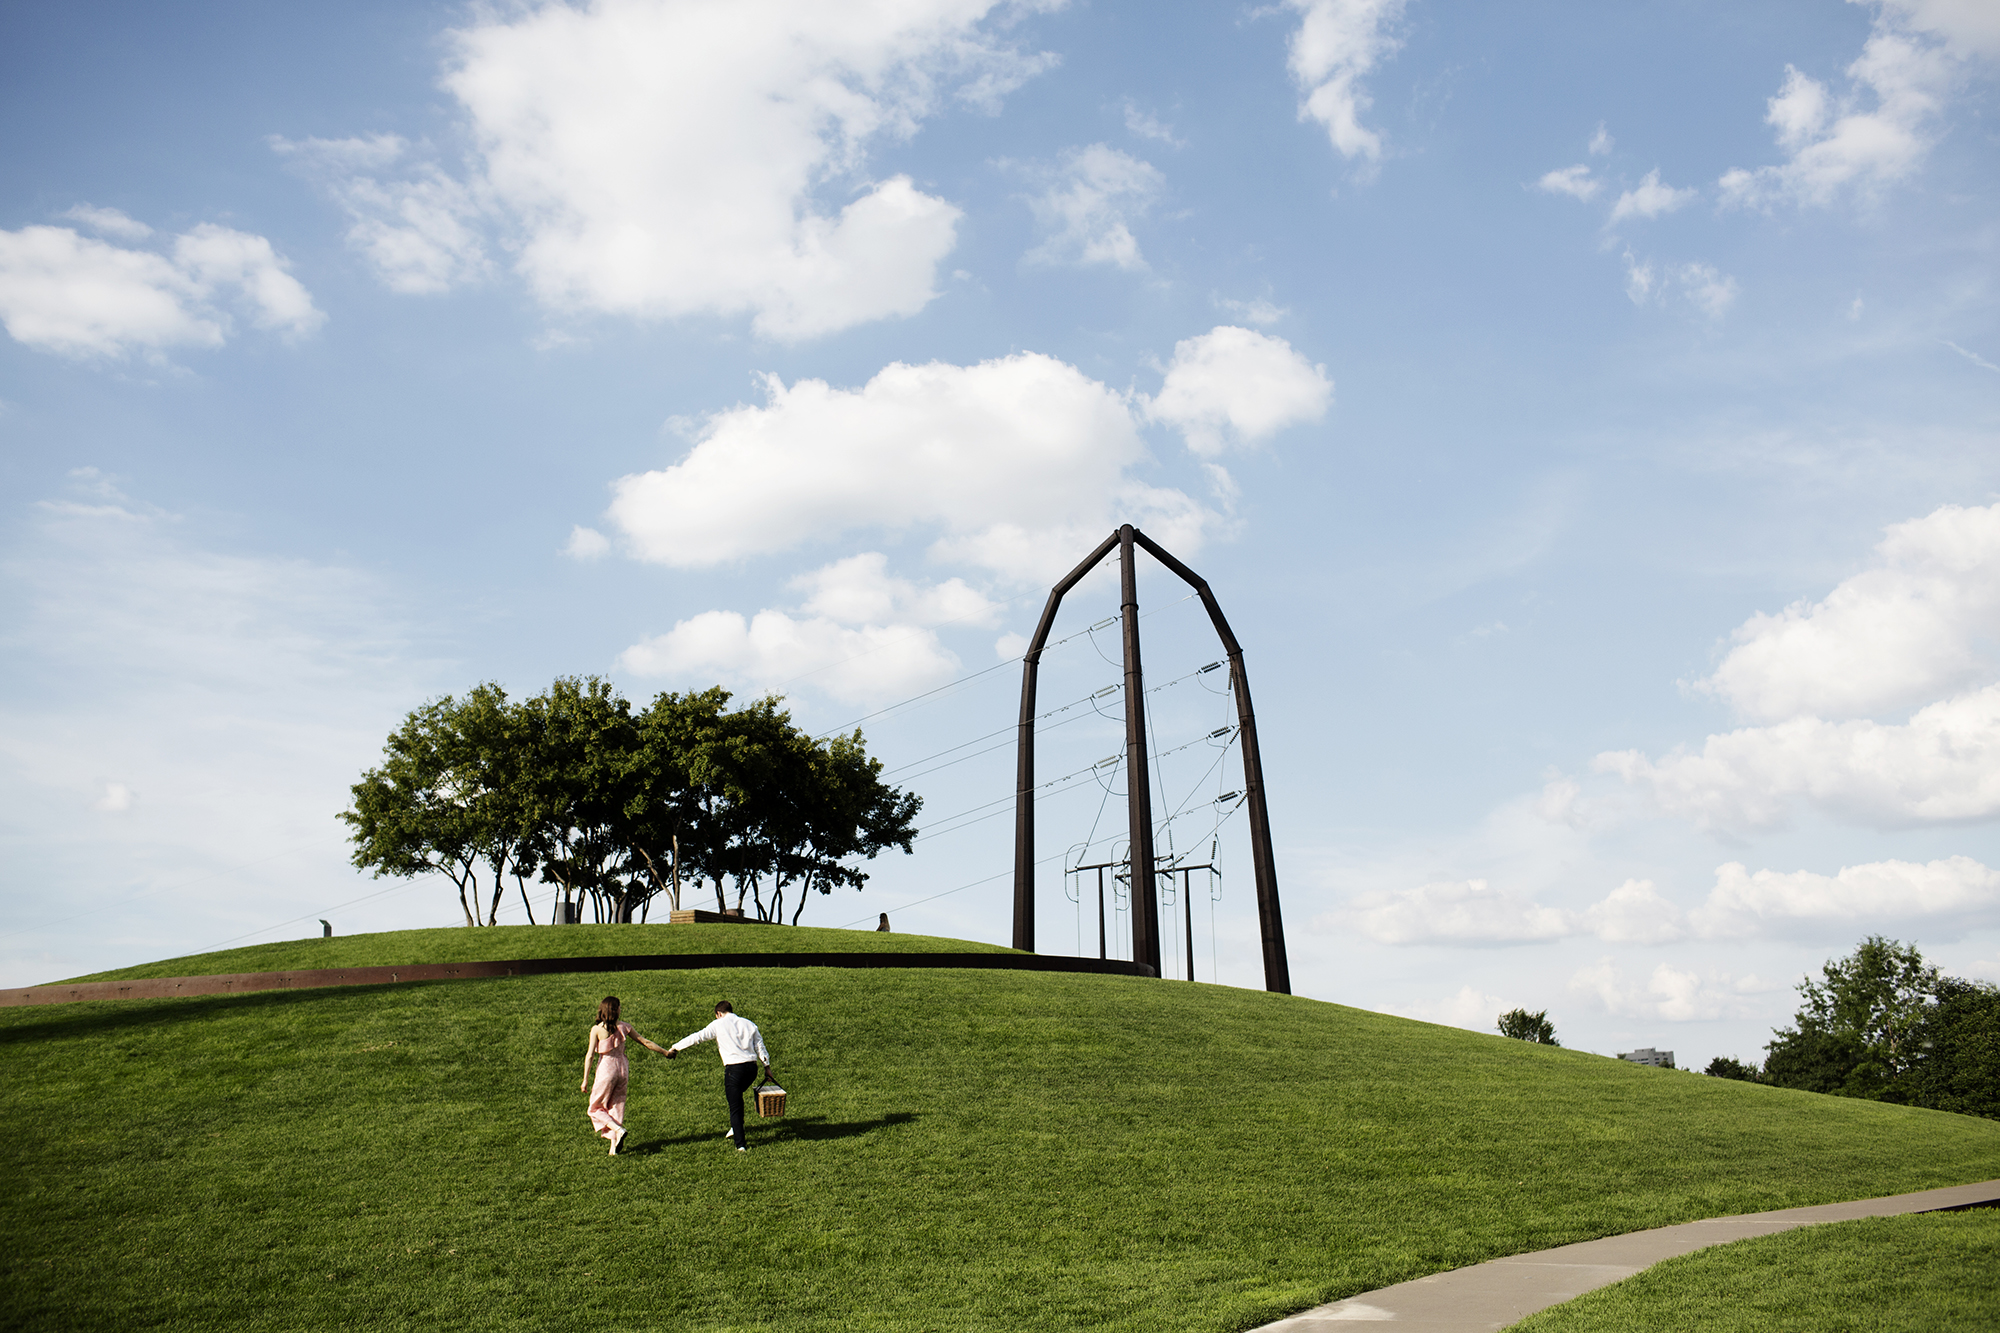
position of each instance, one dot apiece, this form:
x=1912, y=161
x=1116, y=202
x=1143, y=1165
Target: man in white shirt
x=741, y=1046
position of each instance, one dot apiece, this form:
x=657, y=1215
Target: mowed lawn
x=1928, y=1273
x=967, y=1150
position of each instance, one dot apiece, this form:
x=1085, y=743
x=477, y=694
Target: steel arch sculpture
x=1138, y=778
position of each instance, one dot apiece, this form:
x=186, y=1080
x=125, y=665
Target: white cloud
x=1974, y=357
x=1669, y=994
x=1020, y=463
x=116, y=799
x=1969, y=26
x=1601, y=142
x=108, y=222
x=1088, y=205
x=860, y=590
x=1634, y=913
x=1908, y=629
x=1253, y=312
x=1941, y=767
x=1649, y=200
x=665, y=158
x=586, y=544
x=1879, y=131
x=1576, y=182
x=421, y=233
x=1640, y=279
x=1711, y=291
x=1337, y=44
x=1702, y=285
x=1955, y=893
x=1147, y=126
x=865, y=634
x=1236, y=386
x=1470, y=1008
x=69, y=294
x=1460, y=912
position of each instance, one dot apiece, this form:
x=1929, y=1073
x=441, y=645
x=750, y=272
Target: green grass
x=1929, y=1273
x=967, y=1150
x=456, y=944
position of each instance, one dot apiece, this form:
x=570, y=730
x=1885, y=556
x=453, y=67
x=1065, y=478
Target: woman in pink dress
x=614, y=1070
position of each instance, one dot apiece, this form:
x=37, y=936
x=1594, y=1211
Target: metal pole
x=1100, y=911
x=1138, y=774
x=1187, y=917
x=1024, y=755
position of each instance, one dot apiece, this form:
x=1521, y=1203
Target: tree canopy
x=1524, y=1026
x=1883, y=1024
x=617, y=807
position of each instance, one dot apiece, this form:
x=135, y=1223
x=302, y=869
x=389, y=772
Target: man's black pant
x=735, y=1078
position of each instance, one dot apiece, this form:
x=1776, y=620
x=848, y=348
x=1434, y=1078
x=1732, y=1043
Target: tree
x=1726, y=1066
x=1852, y=1036
x=1954, y=1062
x=1524, y=1026
x=617, y=807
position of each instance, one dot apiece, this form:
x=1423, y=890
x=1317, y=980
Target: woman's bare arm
x=589, y=1049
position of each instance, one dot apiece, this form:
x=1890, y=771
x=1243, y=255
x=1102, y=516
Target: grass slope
x=456, y=944
x=968, y=1150
x=1930, y=1273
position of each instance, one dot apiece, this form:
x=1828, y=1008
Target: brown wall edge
x=160, y=988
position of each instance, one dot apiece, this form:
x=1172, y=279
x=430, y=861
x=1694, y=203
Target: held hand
x=669, y=1052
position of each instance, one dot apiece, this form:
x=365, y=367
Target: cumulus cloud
x=108, y=222
x=1956, y=893
x=1469, y=1008
x=1576, y=182
x=1910, y=628
x=1018, y=463
x=1941, y=767
x=1337, y=44
x=1670, y=994
x=1087, y=207
x=1457, y=912
x=1649, y=200
x=863, y=633
x=1601, y=142
x=1878, y=130
x=1236, y=386
x=586, y=544
x=663, y=158
x=76, y=296
x=1634, y=913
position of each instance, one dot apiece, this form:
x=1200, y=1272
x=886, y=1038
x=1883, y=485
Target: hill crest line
x=233, y=983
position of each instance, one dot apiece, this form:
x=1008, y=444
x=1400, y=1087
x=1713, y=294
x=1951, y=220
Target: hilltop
x=967, y=1150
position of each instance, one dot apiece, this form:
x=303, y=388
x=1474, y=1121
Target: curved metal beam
x=1024, y=754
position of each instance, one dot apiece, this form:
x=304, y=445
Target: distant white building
x=1646, y=1055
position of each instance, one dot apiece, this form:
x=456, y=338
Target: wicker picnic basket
x=770, y=1100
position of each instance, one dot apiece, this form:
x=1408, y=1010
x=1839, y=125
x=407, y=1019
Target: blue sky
x=1585, y=415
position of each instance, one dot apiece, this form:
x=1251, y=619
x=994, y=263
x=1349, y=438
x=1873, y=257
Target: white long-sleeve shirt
x=736, y=1039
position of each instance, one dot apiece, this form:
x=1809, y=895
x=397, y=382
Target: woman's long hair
x=607, y=1013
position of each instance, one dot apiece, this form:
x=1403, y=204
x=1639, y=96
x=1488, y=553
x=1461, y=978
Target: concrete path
x=1493, y=1295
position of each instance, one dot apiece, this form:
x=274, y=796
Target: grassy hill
x=455, y=944
x=967, y=1150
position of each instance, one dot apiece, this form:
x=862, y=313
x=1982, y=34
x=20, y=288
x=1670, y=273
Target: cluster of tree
x=1885, y=1025
x=617, y=806
x=1524, y=1026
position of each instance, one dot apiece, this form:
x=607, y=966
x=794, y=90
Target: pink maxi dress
x=614, y=1072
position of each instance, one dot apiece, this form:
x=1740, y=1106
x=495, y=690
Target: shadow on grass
x=96, y=1017
x=794, y=1128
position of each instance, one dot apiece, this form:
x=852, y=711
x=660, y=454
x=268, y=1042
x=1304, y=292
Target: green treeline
x=617, y=806
x=1883, y=1024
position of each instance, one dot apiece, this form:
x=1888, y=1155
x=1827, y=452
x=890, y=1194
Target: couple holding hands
x=736, y=1039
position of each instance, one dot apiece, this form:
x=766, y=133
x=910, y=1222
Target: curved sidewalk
x=1495, y=1294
